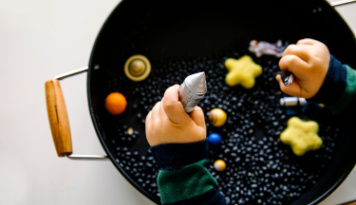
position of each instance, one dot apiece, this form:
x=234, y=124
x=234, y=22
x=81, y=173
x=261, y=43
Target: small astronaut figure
x=262, y=47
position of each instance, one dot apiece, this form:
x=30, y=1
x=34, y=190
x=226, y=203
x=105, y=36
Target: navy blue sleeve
x=334, y=84
x=175, y=156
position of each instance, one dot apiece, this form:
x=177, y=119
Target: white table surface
x=38, y=40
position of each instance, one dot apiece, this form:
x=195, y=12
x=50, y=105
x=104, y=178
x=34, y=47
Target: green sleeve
x=190, y=181
x=349, y=93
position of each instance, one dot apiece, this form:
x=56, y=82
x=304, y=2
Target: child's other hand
x=309, y=61
x=167, y=122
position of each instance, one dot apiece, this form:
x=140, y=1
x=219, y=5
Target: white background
x=38, y=40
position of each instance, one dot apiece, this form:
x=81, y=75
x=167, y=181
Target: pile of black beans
x=259, y=168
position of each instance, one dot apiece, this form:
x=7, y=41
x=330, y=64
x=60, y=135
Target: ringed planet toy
x=137, y=68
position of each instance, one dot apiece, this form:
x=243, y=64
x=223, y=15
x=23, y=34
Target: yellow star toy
x=302, y=136
x=242, y=71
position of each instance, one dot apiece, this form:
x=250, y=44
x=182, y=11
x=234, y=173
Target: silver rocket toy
x=192, y=90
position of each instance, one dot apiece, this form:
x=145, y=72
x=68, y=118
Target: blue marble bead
x=214, y=139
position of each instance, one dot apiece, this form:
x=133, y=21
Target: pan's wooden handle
x=58, y=118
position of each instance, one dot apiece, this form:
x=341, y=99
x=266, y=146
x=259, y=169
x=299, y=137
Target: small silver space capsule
x=292, y=101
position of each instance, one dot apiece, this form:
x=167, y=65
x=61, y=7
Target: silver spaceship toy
x=287, y=77
x=192, y=90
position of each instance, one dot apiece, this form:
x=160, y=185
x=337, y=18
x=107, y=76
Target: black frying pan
x=195, y=35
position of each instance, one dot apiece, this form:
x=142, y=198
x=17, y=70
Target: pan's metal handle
x=58, y=118
x=341, y=2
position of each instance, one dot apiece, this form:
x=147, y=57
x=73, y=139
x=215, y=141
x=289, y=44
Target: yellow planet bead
x=219, y=165
x=217, y=117
x=301, y=135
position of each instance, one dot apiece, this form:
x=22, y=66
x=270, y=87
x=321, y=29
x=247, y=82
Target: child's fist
x=167, y=122
x=308, y=60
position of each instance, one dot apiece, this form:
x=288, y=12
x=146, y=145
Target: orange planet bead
x=115, y=103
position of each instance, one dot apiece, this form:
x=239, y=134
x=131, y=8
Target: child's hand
x=309, y=61
x=167, y=122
